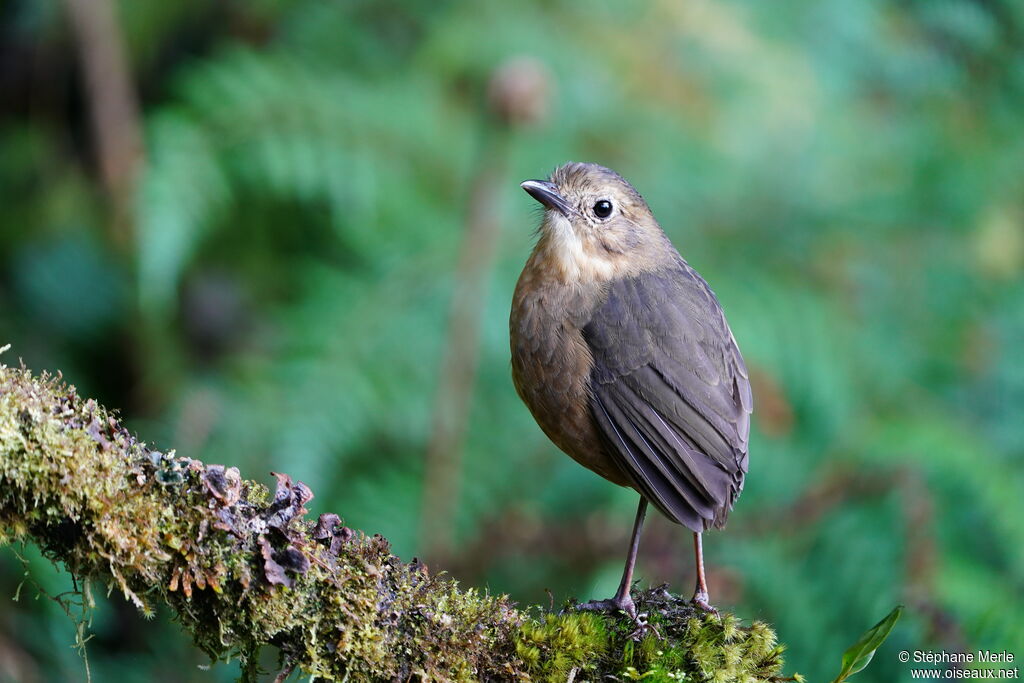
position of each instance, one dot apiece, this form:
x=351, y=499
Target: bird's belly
x=551, y=369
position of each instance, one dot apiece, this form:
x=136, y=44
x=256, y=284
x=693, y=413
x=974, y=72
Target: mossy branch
x=243, y=568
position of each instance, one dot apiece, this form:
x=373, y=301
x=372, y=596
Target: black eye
x=603, y=208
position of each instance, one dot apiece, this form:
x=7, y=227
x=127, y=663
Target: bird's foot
x=624, y=604
x=620, y=603
x=700, y=600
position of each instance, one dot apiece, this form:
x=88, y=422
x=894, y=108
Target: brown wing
x=670, y=393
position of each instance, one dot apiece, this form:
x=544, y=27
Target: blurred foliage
x=848, y=174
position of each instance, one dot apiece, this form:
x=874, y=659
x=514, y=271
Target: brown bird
x=623, y=355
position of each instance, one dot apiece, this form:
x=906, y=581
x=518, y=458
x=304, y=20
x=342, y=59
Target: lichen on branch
x=242, y=568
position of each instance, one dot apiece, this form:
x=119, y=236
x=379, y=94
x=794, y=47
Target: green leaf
x=860, y=653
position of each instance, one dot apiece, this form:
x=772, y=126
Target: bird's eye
x=603, y=208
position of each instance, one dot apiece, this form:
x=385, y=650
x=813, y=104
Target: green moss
x=681, y=645
x=242, y=568
x=553, y=646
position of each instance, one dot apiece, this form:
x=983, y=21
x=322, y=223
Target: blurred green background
x=284, y=234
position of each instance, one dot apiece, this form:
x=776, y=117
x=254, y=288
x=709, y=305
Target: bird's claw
x=610, y=605
x=643, y=627
x=628, y=607
x=700, y=601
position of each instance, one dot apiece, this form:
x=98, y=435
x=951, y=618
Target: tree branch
x=243, y=568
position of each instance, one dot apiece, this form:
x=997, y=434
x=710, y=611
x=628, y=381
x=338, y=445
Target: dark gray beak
x=547, y=194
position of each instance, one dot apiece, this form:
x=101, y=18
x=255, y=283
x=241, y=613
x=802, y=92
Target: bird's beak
x=547, y=194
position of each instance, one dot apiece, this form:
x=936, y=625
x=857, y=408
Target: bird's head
x=596, y=226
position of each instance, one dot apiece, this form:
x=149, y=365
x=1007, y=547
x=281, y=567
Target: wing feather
x=652, y=479
x=670, y=393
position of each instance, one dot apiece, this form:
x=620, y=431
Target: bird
x=624, y=357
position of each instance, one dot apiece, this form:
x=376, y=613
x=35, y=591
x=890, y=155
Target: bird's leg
x=701, y=600
x=622, y=597
x=622, y=600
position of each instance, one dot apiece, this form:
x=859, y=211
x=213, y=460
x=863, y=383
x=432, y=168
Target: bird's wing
x=670, y=393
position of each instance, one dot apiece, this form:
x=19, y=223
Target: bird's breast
x=551, y=365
